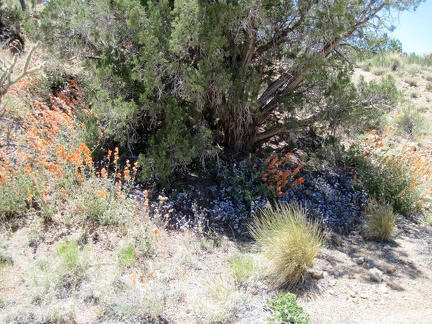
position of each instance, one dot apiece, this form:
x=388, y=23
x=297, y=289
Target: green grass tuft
x=127, y=256
x=380, y=220
x=243, y=267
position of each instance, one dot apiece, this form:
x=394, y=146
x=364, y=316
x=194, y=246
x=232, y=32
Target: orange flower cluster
x=121, y=177
x=278, y=176
x=40, y=152
x=418, y=160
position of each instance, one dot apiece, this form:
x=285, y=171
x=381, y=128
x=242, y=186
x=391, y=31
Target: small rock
x=387, y=247
x=317, y=275
x=332, y=283
x=352, y=294
x=308, y=192
x=373, y=264
x=363, y=296
x=331, y=292
x=391, y=268
x=325, y=274
x=383, y=289
x=301, y=154
x=375, y=274
x=336, y=273
x=360, y=260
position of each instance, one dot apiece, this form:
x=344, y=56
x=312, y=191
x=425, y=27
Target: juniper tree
x=178, y=77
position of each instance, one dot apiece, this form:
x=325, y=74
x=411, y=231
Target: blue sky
x=414, y=29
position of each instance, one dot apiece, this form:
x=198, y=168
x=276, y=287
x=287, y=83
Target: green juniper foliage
x=183, y=78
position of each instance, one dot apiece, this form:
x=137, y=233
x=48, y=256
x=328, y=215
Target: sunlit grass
x=288, y=240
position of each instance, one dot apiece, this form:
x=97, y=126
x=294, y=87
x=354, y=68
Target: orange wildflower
x=101, y=194
x=104, y=173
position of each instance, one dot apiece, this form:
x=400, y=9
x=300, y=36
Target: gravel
x=228, y=201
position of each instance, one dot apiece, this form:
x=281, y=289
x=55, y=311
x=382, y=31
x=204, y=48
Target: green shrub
x=429, y=86
x=398, y=178
x=423, y=61
x=374, y=99
x=410, y=121
x=288, y=241
x=411, y=81
x=286, y=310
x=379, y=71
x=380, y=220
x=428, y=76
x=5, y=260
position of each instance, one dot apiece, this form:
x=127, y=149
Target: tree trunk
x=23, y=5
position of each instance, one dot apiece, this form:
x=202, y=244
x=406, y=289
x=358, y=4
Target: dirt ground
x=347, y=294
x=193, y=275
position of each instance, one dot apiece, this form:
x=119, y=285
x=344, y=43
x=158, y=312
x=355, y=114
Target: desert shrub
x=286, y=310
x=5, y=259
x=381, y=61
x=428, y=75
x=374, y=99
x=413, y=59
x=221, y=300
x=396, y=61
x=9, y=14
x=45, y=167
x=174, y=84
x=410, y=121
x=374, y=92
x=380, y=220
x=411, y=81
x=414, y=69
x=399, y=177
x=288, y=241
x=379, y=71
x=429, y=86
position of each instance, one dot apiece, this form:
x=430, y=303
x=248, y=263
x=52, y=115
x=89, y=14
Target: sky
x=414, y=29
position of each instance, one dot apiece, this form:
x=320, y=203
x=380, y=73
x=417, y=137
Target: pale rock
x=337, y=240
x=373, y=264
x=301, y=154
x=317, y=275
x=391, y=268
x=375, y=274
x=360, y=260
x=383, y=289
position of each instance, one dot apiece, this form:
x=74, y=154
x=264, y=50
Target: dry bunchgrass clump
x=380, y=220
x=288, y=241
x=220, y=300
